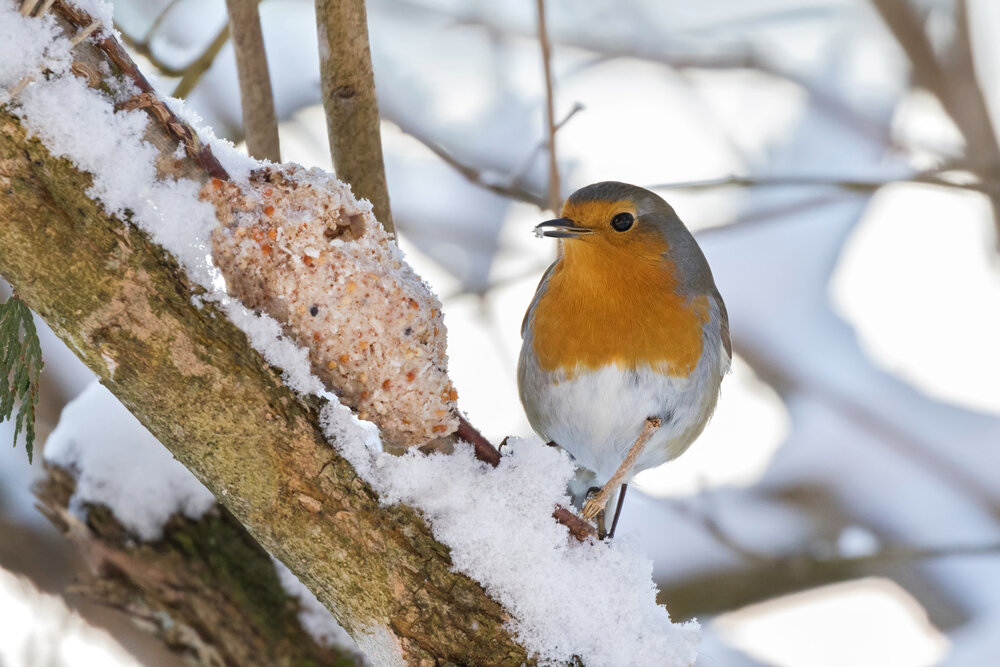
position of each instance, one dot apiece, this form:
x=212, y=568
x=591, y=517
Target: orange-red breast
x=626, y=332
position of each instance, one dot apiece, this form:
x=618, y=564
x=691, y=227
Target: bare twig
x=711, y=526
x=146, y=99
x=740, y=57
x=485, y=451
x=800, y=180
x=796, y=558
x=143, y=48
x=553, y=198
x=952, y=79
x=896, y=553
x=510, y=186
x=720, y=590
x=476, y=176
x=189, y=74
x=260, y=123
x=519, y=173
x=85, y=33
x=160, y=18
x=28, y=6
x=348, y=88
x=192, y=73
x=596, y=504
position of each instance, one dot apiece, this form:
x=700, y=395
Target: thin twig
x=260, y=123
x=28, y=6
x=553, y=198
x=799, y=180
x=511, y=186
x=741, y=57
x=189, y=74
x=896, y=553
x=952, y=79
x=85, y=33
x=518, y=174
x=143, y=48
x=711, y=526
x=192, y=73
x=158, y=21
x=475, y=176
x=596, y=504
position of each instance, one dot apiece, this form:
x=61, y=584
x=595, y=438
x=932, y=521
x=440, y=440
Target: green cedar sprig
x=20, y=364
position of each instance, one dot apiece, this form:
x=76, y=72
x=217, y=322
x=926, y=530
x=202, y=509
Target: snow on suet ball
x=296, y=244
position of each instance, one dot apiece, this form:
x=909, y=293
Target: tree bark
x=348, y=87
x=190, y=376
x=260, y=124
x=205, y=588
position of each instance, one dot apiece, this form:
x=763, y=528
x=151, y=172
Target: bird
x=625, y=343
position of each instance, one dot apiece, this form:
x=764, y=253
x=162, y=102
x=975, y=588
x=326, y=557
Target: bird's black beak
x=561, y=228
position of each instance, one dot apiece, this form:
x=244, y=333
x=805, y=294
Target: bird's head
x=611, y=218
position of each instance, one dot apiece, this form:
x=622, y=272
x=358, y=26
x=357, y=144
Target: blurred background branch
x=952, y=78
x=352, y=115
x=553, y=198
x=260, y=124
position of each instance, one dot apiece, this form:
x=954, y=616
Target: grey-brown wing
x=724, y=324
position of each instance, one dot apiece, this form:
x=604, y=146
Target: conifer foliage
x=21, y=359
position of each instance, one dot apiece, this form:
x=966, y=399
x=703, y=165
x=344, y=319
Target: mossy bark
x=205, y=588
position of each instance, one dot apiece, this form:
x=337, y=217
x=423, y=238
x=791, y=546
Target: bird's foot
x=598, y=518
x=597, y=503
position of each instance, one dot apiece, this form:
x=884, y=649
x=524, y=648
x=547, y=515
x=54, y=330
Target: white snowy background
x=862, y=419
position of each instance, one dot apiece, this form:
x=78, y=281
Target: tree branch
x=190, y=376
x=189, y=74
x=553, y=198
x=348, y=89
x=804, y=180
x=205, y=588
x=508, y=185
x=724, y=590
x=260, y=124
x=476, y=176
x=196, y=70
x=953, y=82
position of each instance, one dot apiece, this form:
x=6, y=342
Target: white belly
x=597, y=415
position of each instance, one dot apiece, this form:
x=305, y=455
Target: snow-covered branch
x=420, y=558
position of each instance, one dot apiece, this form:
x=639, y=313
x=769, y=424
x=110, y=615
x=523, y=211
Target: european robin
x=626, y=340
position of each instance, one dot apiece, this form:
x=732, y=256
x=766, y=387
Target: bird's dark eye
x=622, y=222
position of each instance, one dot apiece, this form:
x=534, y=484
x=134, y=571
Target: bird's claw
x=593, y=507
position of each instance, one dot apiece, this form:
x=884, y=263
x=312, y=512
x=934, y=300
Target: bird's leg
x=597, y=503
x=618, y=510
